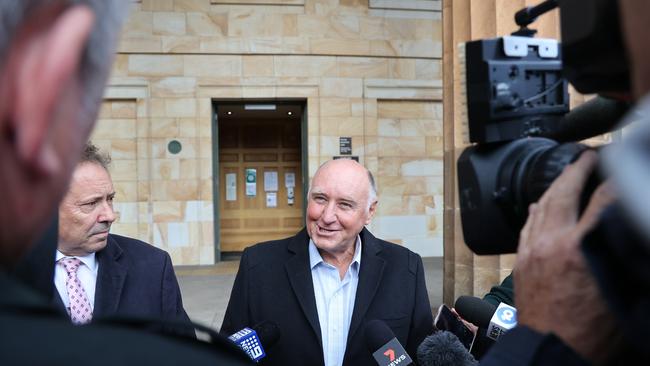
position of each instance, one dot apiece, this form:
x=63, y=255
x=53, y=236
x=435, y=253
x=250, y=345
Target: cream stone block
x=180, y=107
x=204, y=111
x=335, y=107
x=305, y=66
x=173, y=87
x=178, y=234
x=435, y=146
x=143, y=190
x=204, y=126
x=421, y=5
x=124, y=170
x=199, y=211
x=207, y=24
x=259, y=92
x=167, y=211
x=362, y=67
x=371, y=127
x=421, y=168
x=142, y=108
x=334, y=46
x=357, y=107
x=329, y=146
x=139, y=23
x=125, y=229
x=406, y=109
x=166, y=169
x=313, y=144
x=205, y=169
x=342, y=126
x=189, y=255
x=192, y=5
x=426, y=69
x=142, y=128
x=402, y=29
x=145, y=212
x=145, y=233
x=389, y=166
x=401, y=68
x=159, y=148
x=155, y=65
x=125, y=191
x=428, y=48
x=175, y=190
x=428, y=28
x=255, y=24
x=335, y=26
x=341, y=87
x=388, y=127
x=212, y=66
x=365, y=146
x=187, y=127
x=401, y=146
x=205, y=189
x=180, y=44
x=133, y=44
x=114, y=129
x=123, y=149
x=402, y=185
x=105, y=110
x=123, y=109
x=426, y=246
x=120, y=66
x=257, y=66
x=164, y=127
x=167, y=24
x=189, y=168
x=158, y=5
x=400, y=226
x=127, y=212
x=420, y=127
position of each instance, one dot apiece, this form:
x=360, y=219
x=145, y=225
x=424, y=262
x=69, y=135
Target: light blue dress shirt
x=334, y=301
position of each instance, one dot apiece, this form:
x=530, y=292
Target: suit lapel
x=370, y=274
x=110, y=279
x=299, y=275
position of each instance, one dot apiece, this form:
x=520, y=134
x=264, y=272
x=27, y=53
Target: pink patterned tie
x=79, y=310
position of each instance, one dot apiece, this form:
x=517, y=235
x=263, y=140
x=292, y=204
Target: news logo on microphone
x=392, y=354
x=248, y=341
x=504, y=319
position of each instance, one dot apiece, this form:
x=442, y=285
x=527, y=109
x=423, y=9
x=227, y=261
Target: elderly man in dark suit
x=323, y=285
x=99, y=274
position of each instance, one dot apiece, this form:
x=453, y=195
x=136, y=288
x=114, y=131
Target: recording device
x=251, y=339
x=446, y=320
x=385, y=347
x=481, y=313
x=443, y=348
x=519, y=122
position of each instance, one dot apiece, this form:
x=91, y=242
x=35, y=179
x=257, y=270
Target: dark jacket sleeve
x=523, y=346
x=236, y=316
x=422, y=319
x=503, y=293
x=172, y=300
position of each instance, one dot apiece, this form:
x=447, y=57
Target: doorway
x=259, y=188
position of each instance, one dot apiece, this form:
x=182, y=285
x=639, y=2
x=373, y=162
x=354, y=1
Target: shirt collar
x=89, y=260
x=315, y=257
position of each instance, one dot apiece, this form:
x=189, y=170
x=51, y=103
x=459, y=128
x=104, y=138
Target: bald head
x=364, y=174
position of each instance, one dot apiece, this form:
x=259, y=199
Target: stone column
x=464, y=20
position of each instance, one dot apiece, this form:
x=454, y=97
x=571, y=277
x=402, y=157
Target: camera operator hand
x=556, y=292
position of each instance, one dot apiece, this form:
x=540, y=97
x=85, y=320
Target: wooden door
x=266, y=145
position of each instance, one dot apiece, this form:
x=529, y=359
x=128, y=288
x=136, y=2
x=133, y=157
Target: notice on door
x=251, y=182
x=231, y=187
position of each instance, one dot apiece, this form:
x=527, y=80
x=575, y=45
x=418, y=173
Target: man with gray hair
x=55, y=56
x=323, y=285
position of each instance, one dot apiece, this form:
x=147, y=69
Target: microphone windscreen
x=268, y=332
x=377, y=334
x=474, y=310
x=443, y=348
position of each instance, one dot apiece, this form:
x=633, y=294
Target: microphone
x=443, y=348
x=595, y=117
x=383, y=344
x=483, y=314
x=251, y=339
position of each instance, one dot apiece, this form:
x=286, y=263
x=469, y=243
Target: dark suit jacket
x=135, y=279
x=274, y=283
x=33, y=332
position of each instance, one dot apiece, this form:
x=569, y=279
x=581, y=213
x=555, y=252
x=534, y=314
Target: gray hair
x=92, y=154
x=98, y=55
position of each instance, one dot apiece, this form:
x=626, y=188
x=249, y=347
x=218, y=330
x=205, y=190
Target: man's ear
x=371, y=212
x=43, y=70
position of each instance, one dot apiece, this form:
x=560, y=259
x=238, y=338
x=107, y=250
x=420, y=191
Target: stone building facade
x=365, y=69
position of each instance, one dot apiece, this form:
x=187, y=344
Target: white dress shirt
x=334, y=301
x=87, y=274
